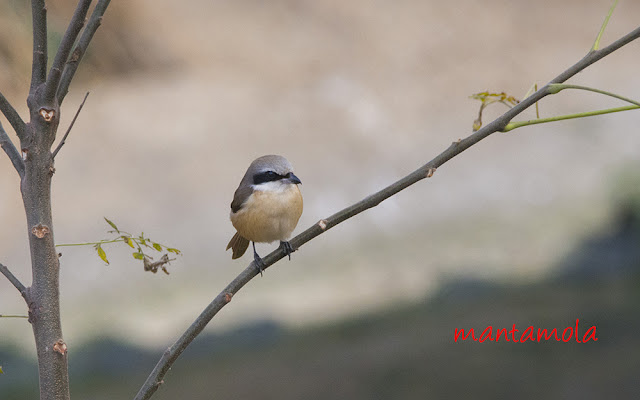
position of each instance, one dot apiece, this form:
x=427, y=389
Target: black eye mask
x=266, y=176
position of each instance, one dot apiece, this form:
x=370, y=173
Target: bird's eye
x=266, y=176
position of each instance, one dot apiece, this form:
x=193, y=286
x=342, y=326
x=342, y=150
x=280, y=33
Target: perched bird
x=266, y=207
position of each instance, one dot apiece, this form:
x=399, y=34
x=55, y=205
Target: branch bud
x=40, y=231
x=47, y=115
x=60, y=347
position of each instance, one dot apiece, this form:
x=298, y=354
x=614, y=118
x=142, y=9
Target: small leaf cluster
x=140, y=243
x=487, y=98
x=142, y=247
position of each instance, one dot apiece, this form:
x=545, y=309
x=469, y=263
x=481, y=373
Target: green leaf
x=102, y=254
x=172, y=250
x=157, y=247
x=1, y=371
x=112, y=224
x=138, y=256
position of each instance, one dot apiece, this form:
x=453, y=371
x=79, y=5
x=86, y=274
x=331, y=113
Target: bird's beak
x=293, y=179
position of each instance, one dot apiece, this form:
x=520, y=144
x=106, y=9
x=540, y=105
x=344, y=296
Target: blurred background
x=538, y=227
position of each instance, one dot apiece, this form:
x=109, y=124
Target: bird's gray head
x=270, y=168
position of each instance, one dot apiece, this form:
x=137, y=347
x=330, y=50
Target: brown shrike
x=266, y=206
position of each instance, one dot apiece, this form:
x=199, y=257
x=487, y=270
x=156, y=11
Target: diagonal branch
x=69, y=38
x=14, y=281
x=13, y=117
x=595, y=55
x=81, y=47
x=13, y=154
x=155, y=379
x=39, y=65
x=73, y=121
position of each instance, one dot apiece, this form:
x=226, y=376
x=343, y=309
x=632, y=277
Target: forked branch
x=80, y=49
x=69, y=38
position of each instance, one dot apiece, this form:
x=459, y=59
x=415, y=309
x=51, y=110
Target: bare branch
x=39, y=65
x=73, y=121
x=62, y=55
x=155, y=379
x=81, y=47
x=12, y=116
x=596, y=55
x=13, y=153
x=14, y=281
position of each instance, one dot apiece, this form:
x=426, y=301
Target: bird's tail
x=238, y=245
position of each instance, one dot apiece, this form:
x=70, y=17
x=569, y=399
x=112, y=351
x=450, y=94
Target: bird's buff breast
x=268, y=215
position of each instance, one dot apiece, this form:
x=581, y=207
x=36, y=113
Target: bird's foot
x=259, y=263
x=287, y=248
x=257, y=260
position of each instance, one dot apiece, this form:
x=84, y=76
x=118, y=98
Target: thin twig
x=557, y=87
x=81, y=47
x=39, y=64
x=13, y=153
x=106, y=241
x=14, y=281
x=66, y=44
x=13, y=117
x=596, y=43
x=155, y=379
x=13, y=316
x=73, y=121
x=519, y=124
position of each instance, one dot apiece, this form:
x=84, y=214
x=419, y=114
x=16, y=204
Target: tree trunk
x=43, y=296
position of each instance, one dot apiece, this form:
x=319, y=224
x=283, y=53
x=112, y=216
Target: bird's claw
x=257, y=260
x=259, y=264
x=287, y=248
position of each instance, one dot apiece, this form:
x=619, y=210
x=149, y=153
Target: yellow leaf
x=102, y=254
x=112, y=224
